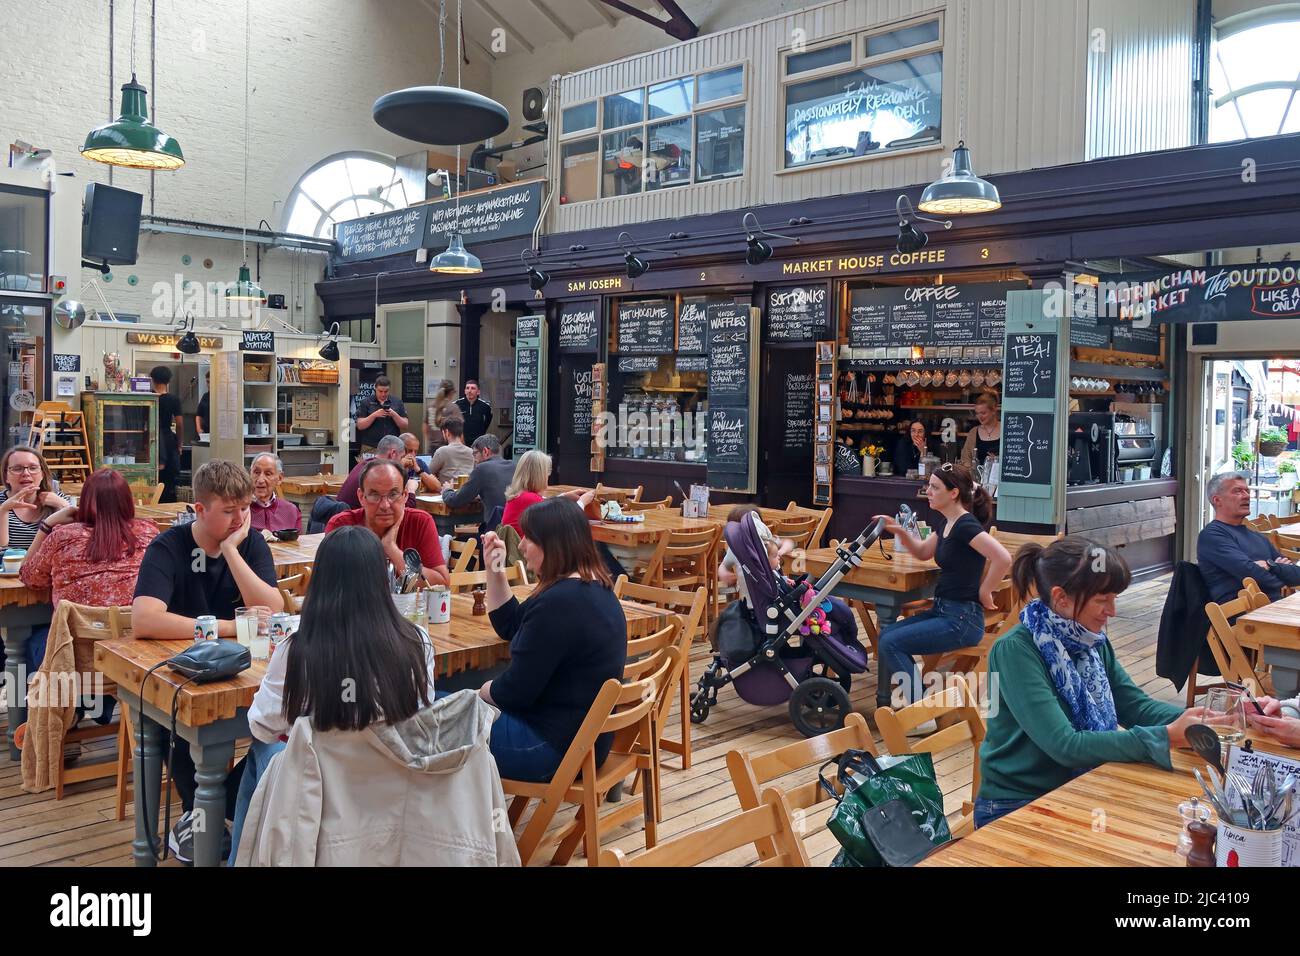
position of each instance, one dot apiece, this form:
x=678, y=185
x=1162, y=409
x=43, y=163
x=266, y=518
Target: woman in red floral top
x=91, y=553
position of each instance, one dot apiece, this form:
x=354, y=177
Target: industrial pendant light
x=537, y=279
x=245, y=289
x=330, y=350
x=961, y=192
x=131, y=140
x=758, y=251
x=189, y=342
x=911, y=239
x=455, y=259
x=441, y=115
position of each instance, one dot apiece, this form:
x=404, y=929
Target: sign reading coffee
x=797, y=314
x=929, y=316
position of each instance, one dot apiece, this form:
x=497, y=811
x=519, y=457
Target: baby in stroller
x=784, y=640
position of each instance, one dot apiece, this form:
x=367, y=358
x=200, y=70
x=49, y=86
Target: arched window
x=1255, y=74
x=340, y=187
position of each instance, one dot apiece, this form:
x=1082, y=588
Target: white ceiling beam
x=603, y=11
x=556, y=22
x=505, y=25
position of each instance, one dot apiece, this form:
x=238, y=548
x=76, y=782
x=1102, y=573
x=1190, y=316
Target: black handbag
x=895, y=835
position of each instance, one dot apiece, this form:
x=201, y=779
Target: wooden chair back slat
x=462, y=555
x=468, y=580
x=634, y=506
x=1224, y=643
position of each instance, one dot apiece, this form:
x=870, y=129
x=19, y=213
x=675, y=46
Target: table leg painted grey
x=888, y=603
x=211, y=747
x=17, y=623
x=1285, y=664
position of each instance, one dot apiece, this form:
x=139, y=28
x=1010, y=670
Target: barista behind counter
x=911, y=448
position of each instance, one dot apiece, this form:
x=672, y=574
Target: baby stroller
x=754, y=640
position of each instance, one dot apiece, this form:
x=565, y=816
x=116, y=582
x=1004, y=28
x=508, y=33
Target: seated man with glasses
x=383, y=510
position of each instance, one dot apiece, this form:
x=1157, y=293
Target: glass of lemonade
x=253, y=630
x=1226, y=707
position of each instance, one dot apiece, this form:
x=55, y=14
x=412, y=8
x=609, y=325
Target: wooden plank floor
x=36, y=830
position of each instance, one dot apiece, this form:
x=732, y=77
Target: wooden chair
x=769, y=824
x=800, y=531
x=1250, y=594
x=634, y=506
x=145, y=494
x=606, y=493
x=689, y=606
x=750, y=773
x=1285, y=542
x=645, y=656
x=687, y=558
x=1234, y=663
x=823, y=516
x=469, y=580
x=293, y=589
x=462, y=555
x=956, y=706
x=626, y=711
x=648, y=568
x=1262, y=524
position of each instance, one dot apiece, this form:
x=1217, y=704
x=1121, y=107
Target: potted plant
x=1242, y=456
x=1272, y=442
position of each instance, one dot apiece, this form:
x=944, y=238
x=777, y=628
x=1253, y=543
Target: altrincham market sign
x=1202, y=294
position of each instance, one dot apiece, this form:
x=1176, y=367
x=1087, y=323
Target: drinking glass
x=1226, y=714
x=253, y=630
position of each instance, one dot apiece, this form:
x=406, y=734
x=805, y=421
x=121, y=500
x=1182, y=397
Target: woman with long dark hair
x=566, y=640
x=1061, y=697
x=353, y=661
x=971, y=566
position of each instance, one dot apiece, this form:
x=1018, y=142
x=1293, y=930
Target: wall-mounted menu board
x=1030, y=370
x=530, y=396
x=638, y=363
x=528, y=327
x=386, y=234
x=798, y=412
x=1027, y=443
x=692, y=363
x=1084, y=330
x=580, y=401
x=580, y=326
x=1127, y=337
x=527, y=368
x=525, y=436
x=645, y=328
x=929, y=316
x=692, y=331
x=730, y=331
x=728, y=440
x=798, y=313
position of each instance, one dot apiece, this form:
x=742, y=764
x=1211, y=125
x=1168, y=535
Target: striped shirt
x=21, y=534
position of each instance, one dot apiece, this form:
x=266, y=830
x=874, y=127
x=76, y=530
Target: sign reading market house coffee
x=579, y=326
x=504, y=213
x=798, y=313
x=929, y=316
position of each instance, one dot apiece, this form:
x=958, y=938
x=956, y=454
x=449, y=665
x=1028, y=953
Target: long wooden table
x=303, y=490
x=213, y=716
x=1275, y=631
x=1121, y=814
x=294, y=557
x=163, y=515
x=434, y=505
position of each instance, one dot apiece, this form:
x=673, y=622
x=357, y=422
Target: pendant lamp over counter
x=960, y=192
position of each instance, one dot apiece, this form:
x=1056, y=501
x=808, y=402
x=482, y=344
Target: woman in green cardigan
x=1059, y=695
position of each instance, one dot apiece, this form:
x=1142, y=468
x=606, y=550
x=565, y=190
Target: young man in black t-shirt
x=210, y=566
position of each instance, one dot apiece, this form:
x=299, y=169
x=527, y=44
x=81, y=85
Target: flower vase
x=868, y=466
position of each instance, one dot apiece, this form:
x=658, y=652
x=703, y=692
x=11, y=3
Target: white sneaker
x=924, y=730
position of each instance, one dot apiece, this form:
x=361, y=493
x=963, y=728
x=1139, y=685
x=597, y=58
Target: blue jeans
x=986, y=811
x=521, y=754
x=35, y=649
x=255, y=764
x=947, y=626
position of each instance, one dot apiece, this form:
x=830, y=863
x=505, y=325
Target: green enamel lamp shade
x=245, y=290
x=131, y=140
x=961, y=192
x=456, y=259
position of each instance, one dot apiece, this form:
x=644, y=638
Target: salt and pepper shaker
x=480, y=601
x=1190, y=811
x=1202, y=836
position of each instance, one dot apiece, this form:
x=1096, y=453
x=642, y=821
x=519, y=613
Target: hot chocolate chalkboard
x=1030, y=366
x=729, y=346
x=1027, y=442
x=579, y=327
x=797, y=314
x=645, y=328
x=692, y=327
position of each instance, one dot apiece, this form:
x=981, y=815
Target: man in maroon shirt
x=271, y=512
x=383, y=510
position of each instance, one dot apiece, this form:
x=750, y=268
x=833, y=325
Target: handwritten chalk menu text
x=504, y=213
x=691, y=334
x=374, y=237
x=1027, y=442
x=1127, y=337
x=579, y=327
x=798, y=412
x=638, y=363
x=525, y=422
x=256, y=341
x=645, y=328
x=527, y=369
x=67, y=363
x=528, y=327
x=729, y=338
x=1030, y=366
x=728, y=440
x=929, y=316
x=797, y=314
x=581, y=401
x=692, y=363
x=1084, y=330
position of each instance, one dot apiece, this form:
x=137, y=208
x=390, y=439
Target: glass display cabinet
x=122, y=428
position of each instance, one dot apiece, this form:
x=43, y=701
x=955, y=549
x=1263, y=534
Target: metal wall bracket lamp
x=637, y=266
x=911, y=239
x=759, y=251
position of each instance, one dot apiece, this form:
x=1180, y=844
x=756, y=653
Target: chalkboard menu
x=377, y=236
x=691, y=325
x=728, y=439
x=413, y=382
x=528, y=326
x=691, y=363
x=798, y=313
x=1127, y=337
x=638, y=363
x=1030, y=366
x=579, y=327
x=1084, y=330
x=928, y=316
x=67, y=363
x=729, y=338
x=581, y=401
x=525, y=422
x=1027, y=442
x=486, y=216
x=256, y=341
x=798, y=412
x=527, y=368
x=645, y=328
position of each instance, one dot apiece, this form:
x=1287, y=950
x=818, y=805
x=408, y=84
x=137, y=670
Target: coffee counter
x=858, y=499
x=1137, y=518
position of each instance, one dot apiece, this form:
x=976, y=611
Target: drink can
x=439, y=605
x=280, y=628
x=205, y=628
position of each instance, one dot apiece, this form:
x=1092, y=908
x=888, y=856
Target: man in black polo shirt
x=210, y=566
x=476, y=411
x=380, y=415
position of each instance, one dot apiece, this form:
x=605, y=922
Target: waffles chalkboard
x=730, y=329
x=579, y=327
x=797, y=314
x=1030, y=366
x=645, y=328
x=1027, y=442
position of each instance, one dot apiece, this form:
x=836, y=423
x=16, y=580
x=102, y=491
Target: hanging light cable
x=245, y=289
x=456, y=259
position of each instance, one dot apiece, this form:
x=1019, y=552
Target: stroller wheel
x=699, y=709
x=818, y=706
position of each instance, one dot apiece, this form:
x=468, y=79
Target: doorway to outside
x=1250, y=421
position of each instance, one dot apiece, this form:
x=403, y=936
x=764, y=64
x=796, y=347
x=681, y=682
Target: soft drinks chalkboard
x=1030, y=366
x=645, y=328
x=1027, y=442
x=579, y=327
x=797, y=314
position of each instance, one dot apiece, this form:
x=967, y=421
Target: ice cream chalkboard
x=1027, y=442
x=728, y=440
x=797, y=314
x=729, y=347
x=691, y=334
x=1030, y=366
x=579, y=327
x=645, y=328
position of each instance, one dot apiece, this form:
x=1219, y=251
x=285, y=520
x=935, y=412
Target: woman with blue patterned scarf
x=1061, y=702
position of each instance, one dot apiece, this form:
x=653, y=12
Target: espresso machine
x=1135, y=449
x=1090, y=452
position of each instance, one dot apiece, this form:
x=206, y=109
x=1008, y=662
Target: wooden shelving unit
x=58, y=433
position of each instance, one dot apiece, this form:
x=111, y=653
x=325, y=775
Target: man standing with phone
x=380, y=415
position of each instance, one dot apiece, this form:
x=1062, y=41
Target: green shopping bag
x=887, y=809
